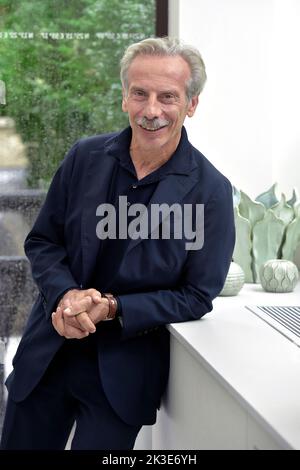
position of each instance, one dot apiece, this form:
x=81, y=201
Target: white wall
x=286, y=92
x=247, y=122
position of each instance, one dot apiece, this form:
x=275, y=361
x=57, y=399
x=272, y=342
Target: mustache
x=154, y=124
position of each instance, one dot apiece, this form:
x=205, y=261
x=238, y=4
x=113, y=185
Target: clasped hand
x=78, y=312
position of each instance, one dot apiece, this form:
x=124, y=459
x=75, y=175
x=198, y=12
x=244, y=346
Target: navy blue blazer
x=158, y=281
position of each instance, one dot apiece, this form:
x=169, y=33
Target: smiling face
x=156, y=102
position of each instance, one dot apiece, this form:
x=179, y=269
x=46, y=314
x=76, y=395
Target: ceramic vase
x=234, y=281
x=278, y=275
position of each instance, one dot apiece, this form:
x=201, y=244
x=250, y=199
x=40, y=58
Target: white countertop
x=256, y=364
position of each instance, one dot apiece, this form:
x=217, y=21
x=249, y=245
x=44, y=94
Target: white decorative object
x=279, y=275
x=234, y=281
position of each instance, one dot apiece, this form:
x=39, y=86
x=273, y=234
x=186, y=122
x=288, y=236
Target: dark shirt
x=124, y=183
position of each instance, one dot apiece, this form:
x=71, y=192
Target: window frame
x=162, y=18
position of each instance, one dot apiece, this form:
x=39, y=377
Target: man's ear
x=192, y=106
x=124, y=100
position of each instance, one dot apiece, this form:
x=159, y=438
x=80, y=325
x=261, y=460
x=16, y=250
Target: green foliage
x=59, y=90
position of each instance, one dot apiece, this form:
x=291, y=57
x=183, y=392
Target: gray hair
x=167, y=46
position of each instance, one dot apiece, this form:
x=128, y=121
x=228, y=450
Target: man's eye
x=168, y=97
x=138, y=93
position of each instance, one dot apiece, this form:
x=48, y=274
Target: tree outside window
x=59, y=66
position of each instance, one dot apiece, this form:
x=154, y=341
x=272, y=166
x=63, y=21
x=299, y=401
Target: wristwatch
x=112, y=306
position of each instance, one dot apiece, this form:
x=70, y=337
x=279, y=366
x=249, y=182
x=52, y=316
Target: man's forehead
x=146, y=66
x=149, y=60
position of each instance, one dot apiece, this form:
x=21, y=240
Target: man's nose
x=152, y=109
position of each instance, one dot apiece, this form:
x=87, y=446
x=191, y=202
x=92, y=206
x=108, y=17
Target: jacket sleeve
x=203, y=275
x=44, y=245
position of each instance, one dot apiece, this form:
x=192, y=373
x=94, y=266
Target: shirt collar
x=181, y=162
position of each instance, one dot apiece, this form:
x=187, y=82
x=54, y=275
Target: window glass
x=59, y=71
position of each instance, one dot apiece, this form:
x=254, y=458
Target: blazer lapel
x=98, y=179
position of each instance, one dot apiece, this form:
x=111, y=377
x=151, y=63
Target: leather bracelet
x=112, y=306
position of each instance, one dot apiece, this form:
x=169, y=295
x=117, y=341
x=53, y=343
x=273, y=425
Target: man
x=95, y=349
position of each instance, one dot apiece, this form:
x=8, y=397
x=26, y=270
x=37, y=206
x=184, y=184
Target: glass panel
x=59, y=71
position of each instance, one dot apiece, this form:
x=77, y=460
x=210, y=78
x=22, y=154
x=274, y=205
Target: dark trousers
x=69, y=391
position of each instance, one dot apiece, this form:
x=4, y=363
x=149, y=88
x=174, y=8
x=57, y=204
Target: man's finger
x=94, y=293
x=58, y=321
x=79, y=306
x=69, y=332
x=85, y=322
x=96, y=298
x=74, y=333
